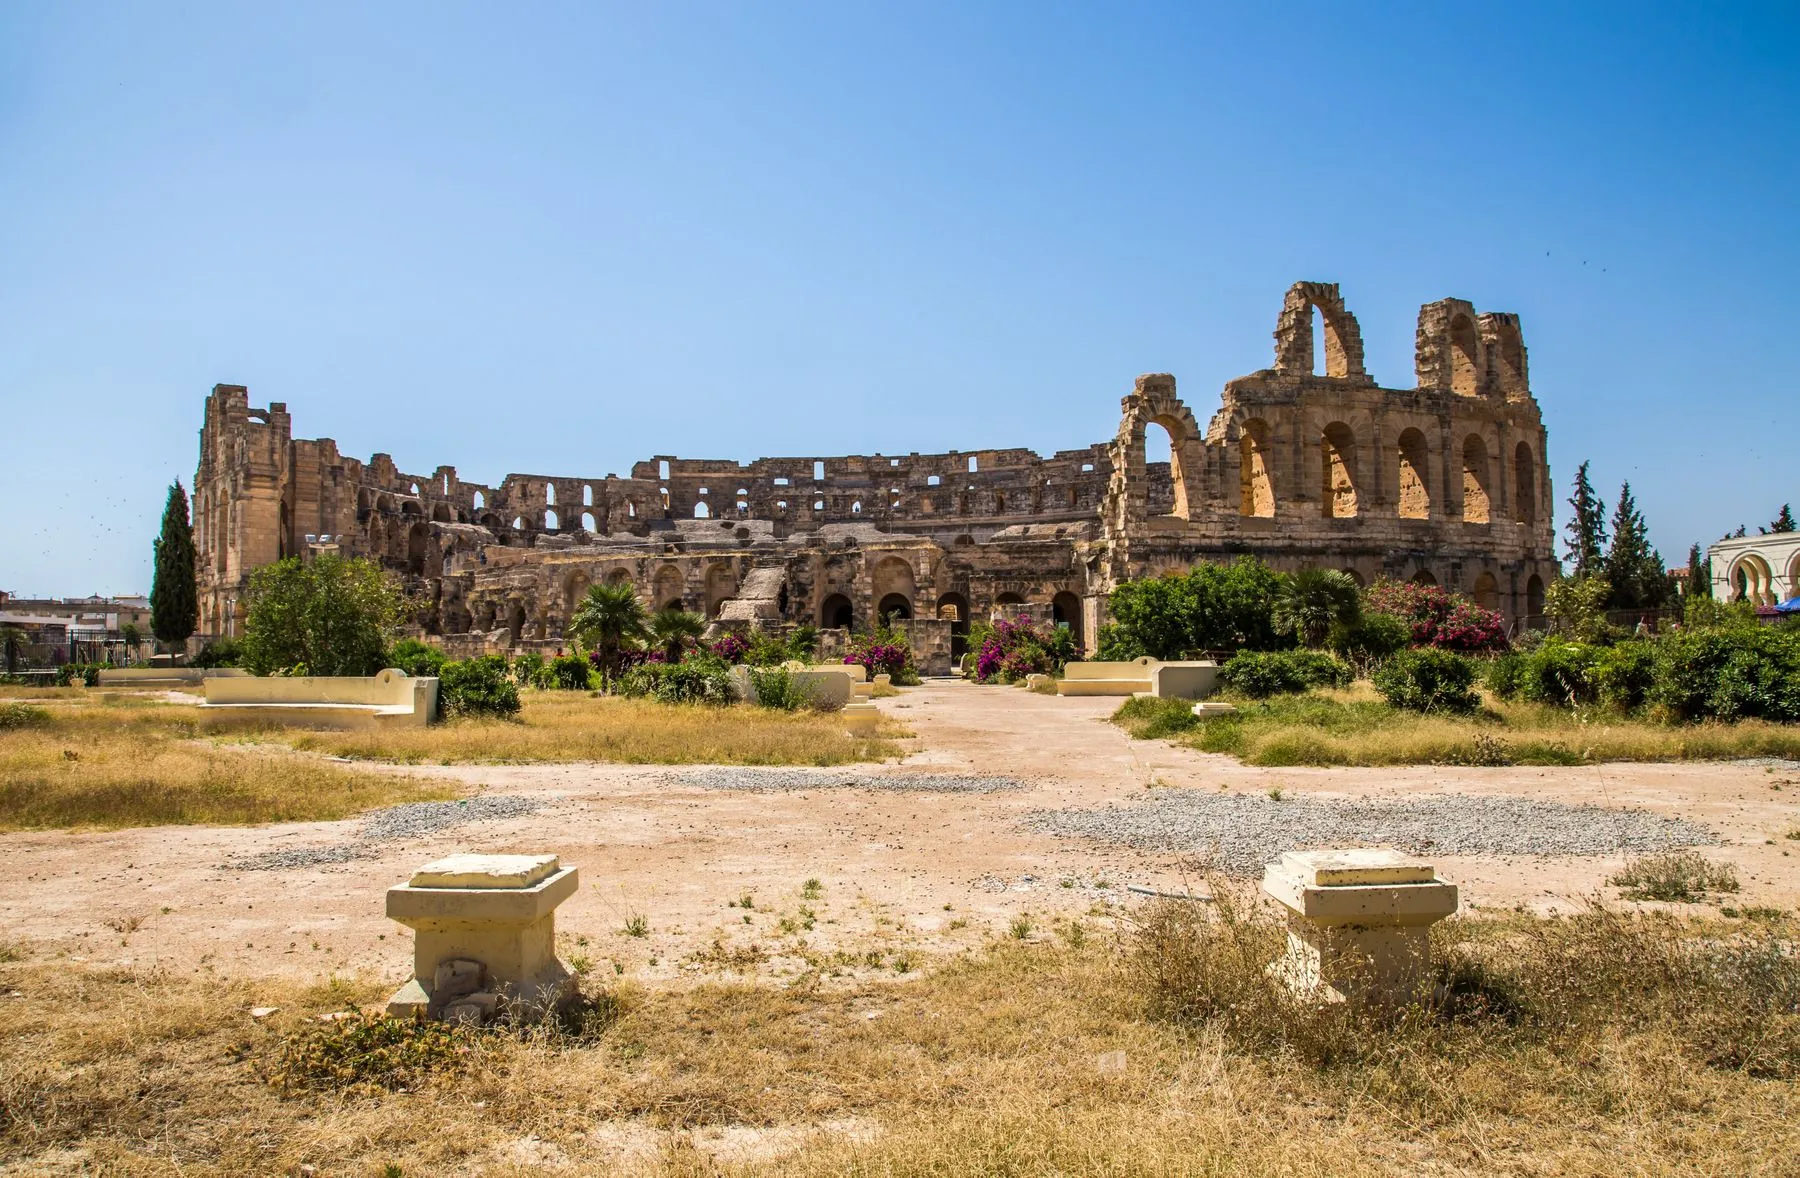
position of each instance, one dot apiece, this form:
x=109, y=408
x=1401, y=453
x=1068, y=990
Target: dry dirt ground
x=911, y=874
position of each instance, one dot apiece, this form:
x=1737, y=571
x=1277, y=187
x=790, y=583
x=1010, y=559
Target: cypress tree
x=1634, y=568
x=1783, y=522
x=1699, y=573
x=1586, y=527
x=174, y=597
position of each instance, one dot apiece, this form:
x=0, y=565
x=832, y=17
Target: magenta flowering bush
x=1438, y=618
x=885, y=652
x=1008, y=651
x=732, y=648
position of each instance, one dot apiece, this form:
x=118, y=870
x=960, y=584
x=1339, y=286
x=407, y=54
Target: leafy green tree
x=673, y=628
x=1578, y=605
x=1633, y=567
x=1310, y=602
x=13, y=641
x=609, y=618
x=1783, y=522
x=1586, y=527
x=1212, y=607
x=174, y=597
x=326, y=616
x=131, y=637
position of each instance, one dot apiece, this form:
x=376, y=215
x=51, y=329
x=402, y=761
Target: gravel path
x=396, y=822
x=791, y=780
x=1239, y=833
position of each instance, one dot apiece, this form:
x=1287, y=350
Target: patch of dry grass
x=133, y=762
x=576, y=726
x=1063, y=1055
x=1355, y=727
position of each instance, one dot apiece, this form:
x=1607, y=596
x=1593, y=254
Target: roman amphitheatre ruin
x=1445, y=482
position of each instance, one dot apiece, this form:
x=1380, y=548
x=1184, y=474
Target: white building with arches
x=1763, y=570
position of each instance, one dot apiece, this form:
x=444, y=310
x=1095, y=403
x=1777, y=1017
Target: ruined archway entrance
x=1065, y=610
x=835, y=613
x=954, y=608
x=894, y=608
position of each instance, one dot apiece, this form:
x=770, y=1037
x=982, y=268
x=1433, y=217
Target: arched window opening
x=1475, y=480
x=669, y=588
x=1320, y=365
x=587, y=521
x=1465, y=348
x=835, y=613
x=1486, y=592
x=662, y=468
x=701, y=511
x=1074, y=497
x=1424, y=577
x=440, y=512
x=550, y=493
x=856, y=507
x=818, y=505
x=1167, y=488
x=1255, y=486
x=1337, y=458
x=894, y=608
x=518, y=522
x=818, y=471
x=619, y=577
x=1524, y=484
x=551, y=522
x=480, y=501
x=587, y=495
x=515, y=625
x=1415, y=478
x=630, y=509
x=973, y=464
x=781, y=505
x=415, y=488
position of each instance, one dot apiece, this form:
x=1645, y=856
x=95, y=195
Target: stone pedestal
x=1358, y=923
x=485, y=933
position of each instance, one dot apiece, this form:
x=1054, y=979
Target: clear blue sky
x=561, y=238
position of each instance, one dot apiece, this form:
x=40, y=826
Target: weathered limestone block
x=485, y=928
x=1358, y=922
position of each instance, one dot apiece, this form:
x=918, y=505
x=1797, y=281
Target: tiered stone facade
x=1445, y=482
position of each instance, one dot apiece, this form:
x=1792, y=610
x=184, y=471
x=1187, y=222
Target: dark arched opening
x=895, y=607
x=1065, y=610
x=954, y=608
x=836, y=614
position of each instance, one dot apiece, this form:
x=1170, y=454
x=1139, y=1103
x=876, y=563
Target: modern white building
x=1764, y=570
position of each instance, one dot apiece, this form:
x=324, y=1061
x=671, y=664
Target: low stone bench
x=165, y=678
x=827, y=688
x=389, y=699
x=1095, y=678
x=484, y=934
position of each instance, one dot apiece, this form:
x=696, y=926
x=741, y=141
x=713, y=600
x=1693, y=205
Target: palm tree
x=1309, y=602
x=13, y=641
x=607, y=618
x=672, y=627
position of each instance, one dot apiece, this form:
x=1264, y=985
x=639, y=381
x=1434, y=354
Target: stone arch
x=1524, y=484
x=550, y=494
x=1486, y=591
x=1065, y=610
x=619, y=576
x=721, y=586
x=1476, y=475
x=669, y=587
x=895, y=607
x=1414, y=461
x=1752, y=580
x=836, y=613
x=362, y=500
x=701, y=511
x=416, y=537
x=574, y=588
x=478, y=502
x=893, y=576
x=1009, y=598
x=1256, y=483
x=1534, y=597
x=440, y=513
x=1504, y=344
x=1294, y=333
x=1424, y=577
x=587, y=521
x=1337, y=461
x=1357, y=577
x=552, y=522
x=1153, y=402
x=515, y=621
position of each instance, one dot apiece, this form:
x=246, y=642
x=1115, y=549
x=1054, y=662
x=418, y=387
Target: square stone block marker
x=1358, y=922
x=497, y=910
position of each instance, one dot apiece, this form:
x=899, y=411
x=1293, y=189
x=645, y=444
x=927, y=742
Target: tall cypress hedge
x=174, y=597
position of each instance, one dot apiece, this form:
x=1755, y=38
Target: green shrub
x=220, y=652
x=418, y=659
x=1428, y=681
x=366, y=1053
x=477, y=687
x=530, y=670
x=1505, y=675
x=88, y=673
x=777, y=687
x=1210, y=607
x=17, y=715
x=331, y=615
x=1369, y=640
x=697, y=681
x=1728, y=673
x=1260, y=674
x=571, y=672
x=1624, y=674
x=1560, y=673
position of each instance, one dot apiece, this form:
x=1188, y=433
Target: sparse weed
x=636, y=925
x=1676, y=877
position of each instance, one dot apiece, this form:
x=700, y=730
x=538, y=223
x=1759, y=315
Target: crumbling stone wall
x=1447, y=481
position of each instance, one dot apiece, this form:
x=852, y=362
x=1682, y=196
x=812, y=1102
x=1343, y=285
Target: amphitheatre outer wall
x=1303, y=465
